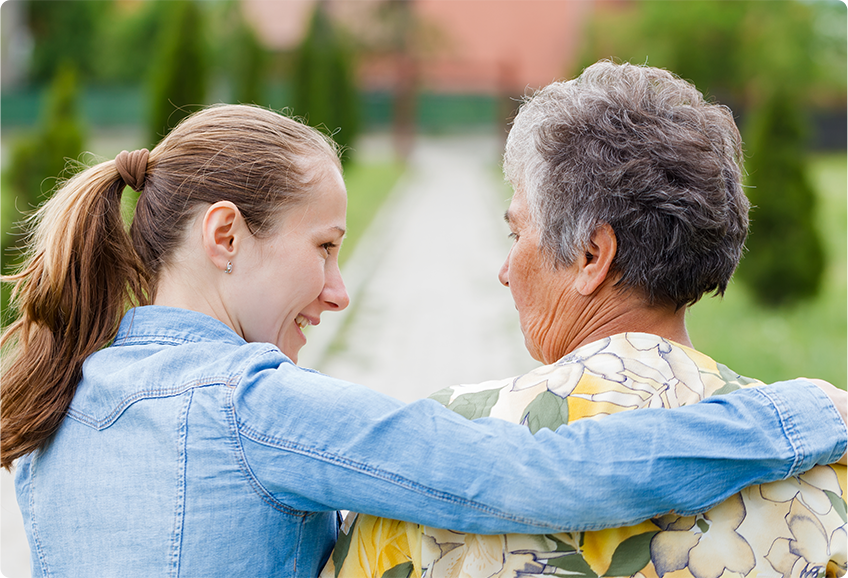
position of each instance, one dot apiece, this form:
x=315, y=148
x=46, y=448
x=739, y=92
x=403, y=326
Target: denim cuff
x=812, y=425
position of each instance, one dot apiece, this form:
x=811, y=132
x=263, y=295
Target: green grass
x=368, y=185
x=808, y=339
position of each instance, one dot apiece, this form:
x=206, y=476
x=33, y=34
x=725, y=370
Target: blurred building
x=469, y=46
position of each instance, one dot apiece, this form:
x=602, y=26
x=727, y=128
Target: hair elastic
x=132, y=166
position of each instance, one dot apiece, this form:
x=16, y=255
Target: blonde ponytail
x=79, y=275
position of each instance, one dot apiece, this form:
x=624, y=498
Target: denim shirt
x=189, y=452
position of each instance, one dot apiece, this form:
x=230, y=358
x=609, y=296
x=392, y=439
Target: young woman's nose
x=335, y=294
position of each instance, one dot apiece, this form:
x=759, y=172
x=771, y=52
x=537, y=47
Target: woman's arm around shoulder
x=315, y=443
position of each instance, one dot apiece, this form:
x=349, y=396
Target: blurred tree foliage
x=238, y=55
x=249, y=66
x=62, y=31
x=117, y=42
x=39, y=162
x=772, y=63
x=42, y=156
x=325, y=90
x=787, y=254
x=831, y=41
x=180, y=72
x=736, y=51
x=128, y=39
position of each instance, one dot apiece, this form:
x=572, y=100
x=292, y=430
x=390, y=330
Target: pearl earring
x=229, y=268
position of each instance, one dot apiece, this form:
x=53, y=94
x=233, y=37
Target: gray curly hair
x=640, y=149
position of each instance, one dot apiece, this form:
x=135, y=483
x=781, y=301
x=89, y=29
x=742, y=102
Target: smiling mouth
x=302, y=321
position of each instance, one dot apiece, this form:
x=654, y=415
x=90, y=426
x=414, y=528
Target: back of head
x=640, y=149
x=83, y=270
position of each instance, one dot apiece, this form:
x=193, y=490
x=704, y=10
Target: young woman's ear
x=594, y=264
x=222, y=230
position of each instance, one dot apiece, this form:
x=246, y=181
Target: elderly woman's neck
x=666, y=322
x=604, y=317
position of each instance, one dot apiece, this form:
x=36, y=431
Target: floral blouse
x=795, y=528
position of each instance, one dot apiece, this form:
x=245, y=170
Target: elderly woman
x=628, y=208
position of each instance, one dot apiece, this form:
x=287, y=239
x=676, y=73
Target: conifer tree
x=249, y=65
x=38, y=161
x=63, y=32
x=180, y=69
x=325, y=92
x=785, y=258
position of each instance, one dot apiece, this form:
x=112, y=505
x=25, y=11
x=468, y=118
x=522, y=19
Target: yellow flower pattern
x=794, y=528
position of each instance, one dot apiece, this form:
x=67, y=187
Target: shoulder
x=623, y=371
x=117, y=377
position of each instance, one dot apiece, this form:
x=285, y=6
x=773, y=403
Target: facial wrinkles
x=592, y=317
x=534, y=286
x=556, y=318
x=555, y=321
x=542, y=293
x=575, y=325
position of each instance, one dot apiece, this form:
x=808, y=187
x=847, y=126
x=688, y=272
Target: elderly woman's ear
x=594, y=265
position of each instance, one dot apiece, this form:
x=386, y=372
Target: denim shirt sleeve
x=312, y=443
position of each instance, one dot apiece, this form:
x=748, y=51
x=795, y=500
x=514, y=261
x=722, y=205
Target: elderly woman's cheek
x=547, y=338
x=537, y=318
x=532, y=342
x=559, y=316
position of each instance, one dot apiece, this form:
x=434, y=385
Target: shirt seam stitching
x=141, y=395
x=179, y=513
x=244, y=466
x=378, y=473
x=789, y=429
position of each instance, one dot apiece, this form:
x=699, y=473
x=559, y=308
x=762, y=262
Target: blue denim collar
x=172, y=325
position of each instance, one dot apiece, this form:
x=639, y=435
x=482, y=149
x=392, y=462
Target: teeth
x=301, y=321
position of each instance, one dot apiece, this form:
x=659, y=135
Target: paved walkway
x=427, y=308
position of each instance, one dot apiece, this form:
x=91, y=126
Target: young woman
x=179, y=437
